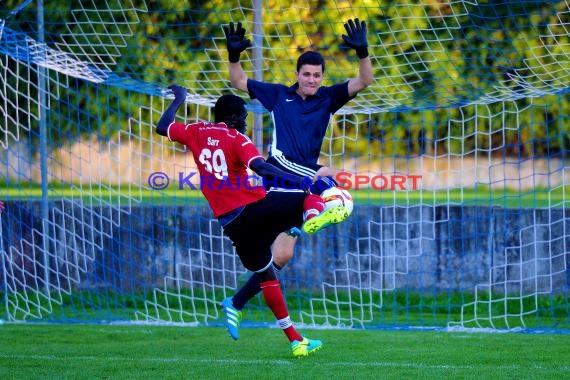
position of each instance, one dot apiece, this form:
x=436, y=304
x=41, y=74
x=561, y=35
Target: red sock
x=313, y=205
x=274, y=299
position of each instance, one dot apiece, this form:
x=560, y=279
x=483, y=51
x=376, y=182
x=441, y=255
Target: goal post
x=459, y=148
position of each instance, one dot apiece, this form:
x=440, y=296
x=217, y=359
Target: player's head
x=230, y=109
x=310, y=69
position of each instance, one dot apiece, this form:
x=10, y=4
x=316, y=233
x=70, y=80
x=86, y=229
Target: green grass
x=480, y=196
x=172, y=352
x=392, y=309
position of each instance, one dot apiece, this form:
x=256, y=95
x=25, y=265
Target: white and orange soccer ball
x=337, y=196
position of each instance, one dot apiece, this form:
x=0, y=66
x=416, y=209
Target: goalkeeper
x=301, y=115
x=251, y=217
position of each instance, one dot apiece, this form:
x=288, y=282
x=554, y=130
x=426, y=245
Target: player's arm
x=236, y=43
x=364, y=79
x=167, y=117
x=238, y=78
x=356, y=38
x=265, y=169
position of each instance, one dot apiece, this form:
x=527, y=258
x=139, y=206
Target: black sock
x=250, y=289
x=246, y=292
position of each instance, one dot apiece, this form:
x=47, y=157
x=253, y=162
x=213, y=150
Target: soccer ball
x=336, y=196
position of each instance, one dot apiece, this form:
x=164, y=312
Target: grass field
x=167, y=352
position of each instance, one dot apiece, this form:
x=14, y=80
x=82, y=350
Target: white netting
x=470, y=96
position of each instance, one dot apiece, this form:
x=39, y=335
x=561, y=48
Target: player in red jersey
x=251, y=217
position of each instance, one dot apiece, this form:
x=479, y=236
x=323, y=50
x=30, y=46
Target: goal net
x=461, y=215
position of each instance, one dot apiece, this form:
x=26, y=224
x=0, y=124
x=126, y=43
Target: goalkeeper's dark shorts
x=254, y=230
x=301, y=169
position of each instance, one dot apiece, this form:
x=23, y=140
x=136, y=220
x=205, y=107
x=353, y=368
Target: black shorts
x=255, y=229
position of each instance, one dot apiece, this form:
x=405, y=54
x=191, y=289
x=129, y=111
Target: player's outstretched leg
x=233, y=318
x=305, y=347
x=326, y=218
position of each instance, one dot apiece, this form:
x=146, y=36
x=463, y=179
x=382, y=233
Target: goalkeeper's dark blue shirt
x=299, y=125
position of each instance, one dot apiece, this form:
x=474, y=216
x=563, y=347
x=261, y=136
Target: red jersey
x=222, y=155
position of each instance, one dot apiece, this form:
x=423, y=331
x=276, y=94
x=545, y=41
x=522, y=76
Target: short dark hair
x=310, y=58
x=227, y=106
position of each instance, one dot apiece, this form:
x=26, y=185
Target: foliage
x=433, y=62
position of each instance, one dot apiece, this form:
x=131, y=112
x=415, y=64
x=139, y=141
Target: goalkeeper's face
x=309, y=78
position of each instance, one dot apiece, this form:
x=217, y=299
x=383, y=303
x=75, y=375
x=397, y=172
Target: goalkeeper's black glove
x=235, y=41
x=356, y=37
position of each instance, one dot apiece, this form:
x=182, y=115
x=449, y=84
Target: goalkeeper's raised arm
x=236, y=43
x=355, y=38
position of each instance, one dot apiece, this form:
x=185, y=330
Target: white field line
x=349, y=364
